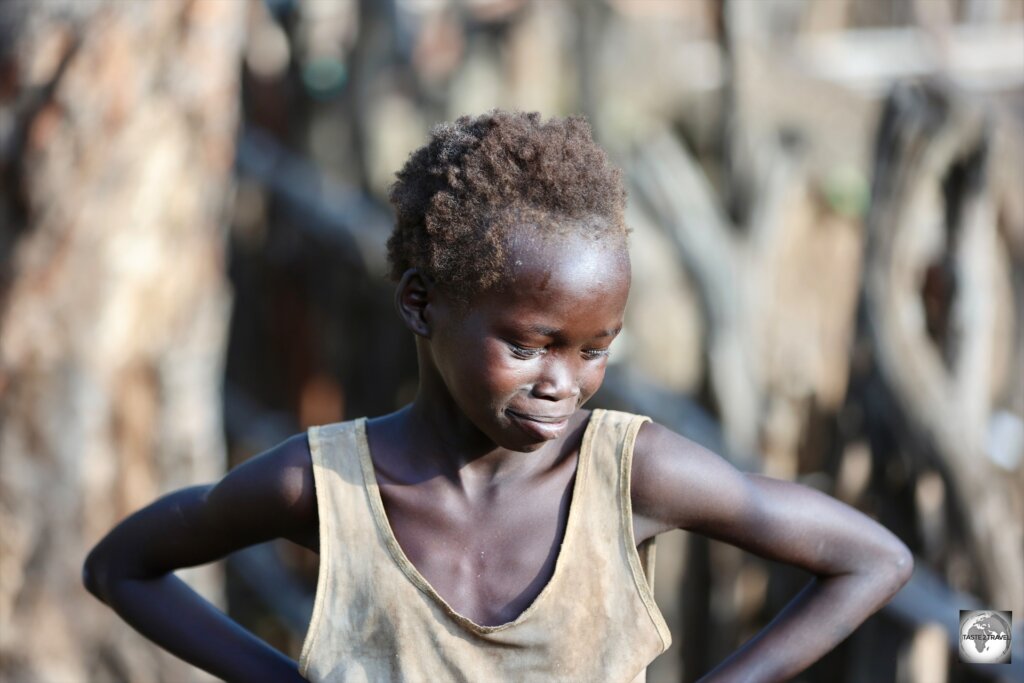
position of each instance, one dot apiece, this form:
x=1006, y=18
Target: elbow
x=91, y=574
x=899, y=567
x=97, y=574
x=905, y=564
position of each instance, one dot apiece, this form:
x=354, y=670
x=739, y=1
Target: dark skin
x=481, y=508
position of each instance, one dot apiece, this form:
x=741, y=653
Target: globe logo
x=985, y=637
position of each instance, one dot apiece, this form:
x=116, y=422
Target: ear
x=413, y=296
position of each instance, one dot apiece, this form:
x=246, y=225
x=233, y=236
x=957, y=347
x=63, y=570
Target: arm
x=858, y=564
x=269, y=496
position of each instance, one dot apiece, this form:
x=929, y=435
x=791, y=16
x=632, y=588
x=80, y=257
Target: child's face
x=519, y=361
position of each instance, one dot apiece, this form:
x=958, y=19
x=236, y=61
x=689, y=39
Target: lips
x=549, y=419
x=542, y=427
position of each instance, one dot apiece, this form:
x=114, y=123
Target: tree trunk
x=935, y=289
x=117, y=123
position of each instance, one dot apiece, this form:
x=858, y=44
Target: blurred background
x=827, y=203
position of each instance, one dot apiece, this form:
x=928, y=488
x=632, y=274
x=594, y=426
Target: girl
x=494, y=529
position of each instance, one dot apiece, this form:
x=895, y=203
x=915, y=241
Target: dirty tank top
x=376, y=619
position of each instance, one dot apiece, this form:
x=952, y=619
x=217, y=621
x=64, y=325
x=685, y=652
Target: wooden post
x=117, y=158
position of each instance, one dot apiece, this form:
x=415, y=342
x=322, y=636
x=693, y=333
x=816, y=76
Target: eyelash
x=527, y=353
x=524, y=352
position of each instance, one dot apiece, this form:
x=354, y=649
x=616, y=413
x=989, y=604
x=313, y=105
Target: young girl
x=493, y=529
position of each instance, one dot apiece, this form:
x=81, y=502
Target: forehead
x=563, y=277
x=544, y=259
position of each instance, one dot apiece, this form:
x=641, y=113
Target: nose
x=558, y=380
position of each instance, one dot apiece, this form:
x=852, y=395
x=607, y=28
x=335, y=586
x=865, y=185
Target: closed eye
x=595, y=353
x=525, y=352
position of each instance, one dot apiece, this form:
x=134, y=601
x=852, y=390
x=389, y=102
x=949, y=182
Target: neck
x=448, y=444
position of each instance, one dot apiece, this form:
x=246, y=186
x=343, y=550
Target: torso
x=487, y=557
x=404, y=593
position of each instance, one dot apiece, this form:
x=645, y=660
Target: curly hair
x=458, y=197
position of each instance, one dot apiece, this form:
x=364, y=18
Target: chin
x=528, y=448
x=516, y=440
x=510, y=437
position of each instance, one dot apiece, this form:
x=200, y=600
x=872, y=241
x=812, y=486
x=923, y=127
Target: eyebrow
x=546, y=331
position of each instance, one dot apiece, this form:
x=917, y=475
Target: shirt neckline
x=414, y=575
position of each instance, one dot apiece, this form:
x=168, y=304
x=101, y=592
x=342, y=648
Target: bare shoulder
x=274, y=489
x=268, y=496
x=677, y=483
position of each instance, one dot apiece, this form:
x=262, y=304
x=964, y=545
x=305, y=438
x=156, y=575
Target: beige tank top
x=376, y=619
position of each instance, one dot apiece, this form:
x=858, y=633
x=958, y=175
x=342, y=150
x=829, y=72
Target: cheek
x=494, y=374
x=591, y=377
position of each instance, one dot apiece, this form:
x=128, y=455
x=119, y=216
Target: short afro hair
x=457, y=197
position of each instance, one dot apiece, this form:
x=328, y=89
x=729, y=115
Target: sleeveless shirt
x=376, y=618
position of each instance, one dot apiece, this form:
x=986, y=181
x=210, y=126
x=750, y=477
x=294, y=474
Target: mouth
x=545, y=427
